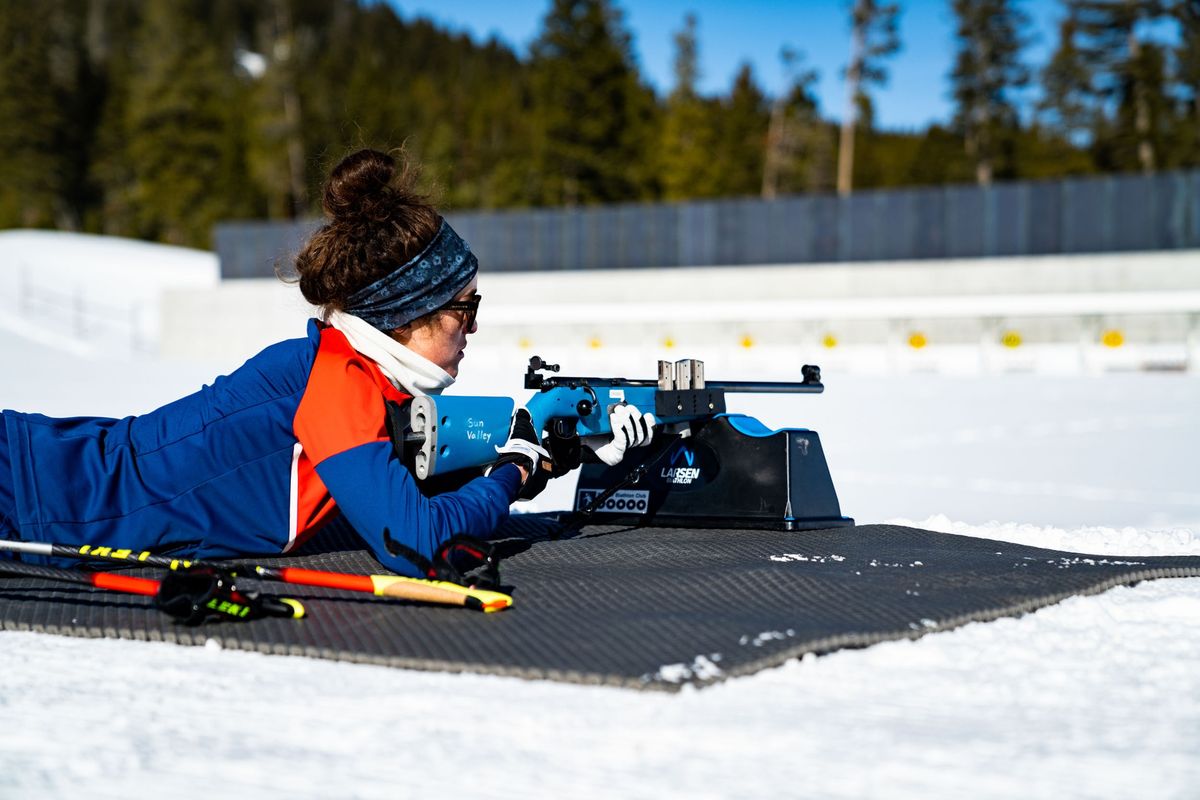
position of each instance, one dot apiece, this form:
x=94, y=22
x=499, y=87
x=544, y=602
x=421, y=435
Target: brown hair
x=376, y=222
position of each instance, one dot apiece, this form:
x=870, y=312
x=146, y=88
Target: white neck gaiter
x=404, y=368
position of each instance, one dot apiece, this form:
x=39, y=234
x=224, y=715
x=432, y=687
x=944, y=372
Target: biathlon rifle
x=445, y=433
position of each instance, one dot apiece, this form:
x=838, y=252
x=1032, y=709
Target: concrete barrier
x=1051, y=313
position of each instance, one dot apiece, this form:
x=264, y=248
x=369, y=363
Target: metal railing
x=75, y=314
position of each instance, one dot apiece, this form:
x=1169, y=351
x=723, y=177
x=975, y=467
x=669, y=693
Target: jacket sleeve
x=340, y=424
x=379, y=497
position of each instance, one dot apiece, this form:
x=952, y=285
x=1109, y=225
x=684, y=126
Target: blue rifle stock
x=447, y=433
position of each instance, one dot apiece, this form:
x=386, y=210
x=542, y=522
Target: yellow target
x=524, y=343
x=747, y=341
x=595, y=343
x=1112, y=338
x=830, y=341
x=668, y=343
x=1011, y=339
x=917, y=340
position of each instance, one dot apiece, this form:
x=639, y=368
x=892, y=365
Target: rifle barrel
x=766, y=387
x=747, y=387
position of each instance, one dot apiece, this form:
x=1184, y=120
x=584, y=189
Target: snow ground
x=1094, y=697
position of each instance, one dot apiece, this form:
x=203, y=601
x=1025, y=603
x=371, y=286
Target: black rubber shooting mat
x=649, y=608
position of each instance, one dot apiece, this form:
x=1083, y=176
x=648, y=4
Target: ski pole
x=99, y=580
x=394, y=586
x=192, y=596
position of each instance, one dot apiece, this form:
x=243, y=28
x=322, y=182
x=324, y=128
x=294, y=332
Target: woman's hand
x=630, y=428
x=522, y=448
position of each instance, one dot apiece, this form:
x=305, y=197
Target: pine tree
x=30, y=161
x=688, y=131
x=77, y=88
x=986, y=70
x=794, y=152
x=1187, y=76
x=369, y=78
x=111, y=29
x=139, y=117
x=1128, y=74
x=1040, y=152
x=874, y=36
x=501, y=133
x=181, y=123
x=593, y=115
x=1068, y=90
x=939, y=159
x=276, y=144
x=743, y=136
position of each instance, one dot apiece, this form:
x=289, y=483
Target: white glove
x=522, y=447
x=630, y=428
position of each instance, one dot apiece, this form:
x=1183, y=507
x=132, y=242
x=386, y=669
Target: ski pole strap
x=195, y=595
x=469, y=561
x=462, y=559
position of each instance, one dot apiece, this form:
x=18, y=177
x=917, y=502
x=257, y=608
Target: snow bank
x=1128, y=541
x=87, y=294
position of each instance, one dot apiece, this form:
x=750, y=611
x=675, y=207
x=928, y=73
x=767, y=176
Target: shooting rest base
x=727, y=472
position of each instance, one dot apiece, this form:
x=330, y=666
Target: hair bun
x=377, y=220
x=359, y=186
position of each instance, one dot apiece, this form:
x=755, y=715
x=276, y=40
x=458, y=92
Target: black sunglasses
x=470, y=306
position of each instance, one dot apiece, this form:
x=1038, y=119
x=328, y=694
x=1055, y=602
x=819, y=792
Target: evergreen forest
x=158, y=118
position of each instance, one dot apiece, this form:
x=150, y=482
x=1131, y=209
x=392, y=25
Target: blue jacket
x=254, y=464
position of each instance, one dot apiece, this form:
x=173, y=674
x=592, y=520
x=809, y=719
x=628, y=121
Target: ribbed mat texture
x=647, y=608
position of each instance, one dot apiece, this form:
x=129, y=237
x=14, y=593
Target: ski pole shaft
x=234, y=605
x=393, y=586
x=100, y=580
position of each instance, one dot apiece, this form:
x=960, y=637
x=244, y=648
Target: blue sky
x=733, y=31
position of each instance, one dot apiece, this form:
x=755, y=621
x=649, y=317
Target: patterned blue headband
x=428, y=281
